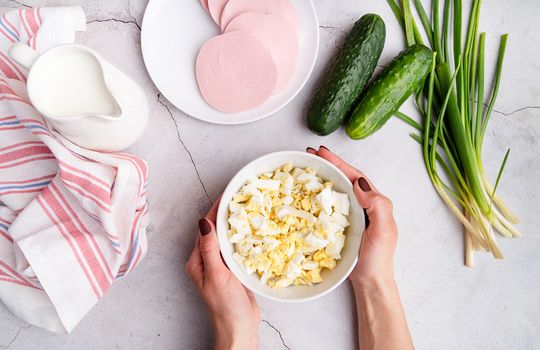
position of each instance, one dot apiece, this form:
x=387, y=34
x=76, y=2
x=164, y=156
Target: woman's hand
x=375, y=261
x=381, y=319
x=233, y=308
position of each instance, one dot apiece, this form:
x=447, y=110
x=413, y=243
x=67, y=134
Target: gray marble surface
x=496, y=305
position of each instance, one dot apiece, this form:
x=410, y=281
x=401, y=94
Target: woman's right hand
x=375, y=260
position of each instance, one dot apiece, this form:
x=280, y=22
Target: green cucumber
x=403, y=76
x=347, y=75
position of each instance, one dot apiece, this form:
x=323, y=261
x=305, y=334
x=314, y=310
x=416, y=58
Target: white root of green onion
x=454, y=121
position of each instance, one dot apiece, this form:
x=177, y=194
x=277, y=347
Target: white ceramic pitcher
x=82, y=96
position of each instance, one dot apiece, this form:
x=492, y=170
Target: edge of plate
x=149, y=8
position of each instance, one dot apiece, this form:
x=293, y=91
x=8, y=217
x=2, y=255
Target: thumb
x=378, y=207
x=209, y=248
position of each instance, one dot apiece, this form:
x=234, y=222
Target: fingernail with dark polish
x=364, y=185
x=326, y=148
x=204, y=226
x=311, y=149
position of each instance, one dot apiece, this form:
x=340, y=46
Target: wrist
x=229, y=337
x=373, y=284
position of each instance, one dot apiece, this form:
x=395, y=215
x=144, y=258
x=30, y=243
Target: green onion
x=454, y=122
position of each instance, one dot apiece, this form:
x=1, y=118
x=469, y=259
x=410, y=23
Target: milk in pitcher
x=75, y=86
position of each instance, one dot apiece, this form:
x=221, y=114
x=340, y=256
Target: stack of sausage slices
x=254, y=56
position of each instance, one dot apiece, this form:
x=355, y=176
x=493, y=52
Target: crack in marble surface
x=112, y=19
x=278, y=332
x=131, y=15
x=507, y=114
x=20, y=3
x=330, y=29
x=5, y=346
x=163, y=103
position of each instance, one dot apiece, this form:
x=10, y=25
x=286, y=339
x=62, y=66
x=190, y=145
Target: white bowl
x=332, y=278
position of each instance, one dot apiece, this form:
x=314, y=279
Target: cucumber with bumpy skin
x=403, y=76
x=347, y=75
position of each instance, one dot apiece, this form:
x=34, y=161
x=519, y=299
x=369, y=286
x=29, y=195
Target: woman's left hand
x=233, y=308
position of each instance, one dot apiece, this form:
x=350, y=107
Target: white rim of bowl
x=222, y=207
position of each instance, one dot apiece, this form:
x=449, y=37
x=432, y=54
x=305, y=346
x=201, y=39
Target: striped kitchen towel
x=72, y=220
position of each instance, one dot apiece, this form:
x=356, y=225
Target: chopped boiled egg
x=288, y=226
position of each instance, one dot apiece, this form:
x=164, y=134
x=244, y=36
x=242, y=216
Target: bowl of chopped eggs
x=289, y=226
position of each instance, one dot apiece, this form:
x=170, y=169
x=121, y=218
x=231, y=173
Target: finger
x=209, y=248
x=249, y=294
x=196, y=253
x=251, y=297
x=379, y=209
x=212, y=213
x=311, y=150
x=196, y=273
x=349, y=171
x=194, y=265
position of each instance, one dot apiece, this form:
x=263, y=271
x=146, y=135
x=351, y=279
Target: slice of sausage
x=277, y=35
x=235, y=72
x=204, y=4
x=215, y=7
x=280, y=7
